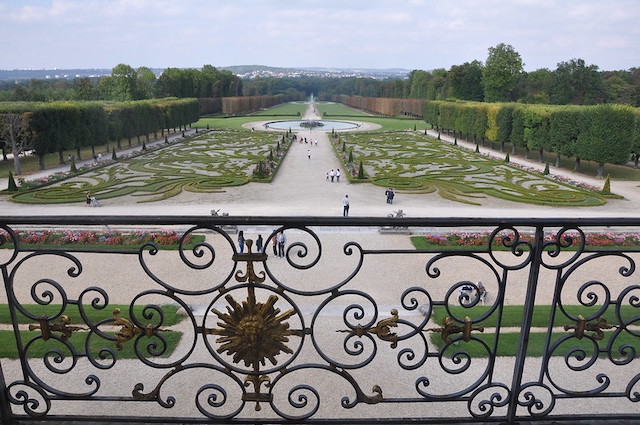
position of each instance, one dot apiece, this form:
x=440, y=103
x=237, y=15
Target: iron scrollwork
x=269, y=346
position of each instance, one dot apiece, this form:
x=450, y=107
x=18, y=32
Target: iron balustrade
x=340, y=329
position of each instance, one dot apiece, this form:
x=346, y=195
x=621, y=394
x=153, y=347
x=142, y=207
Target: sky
x=375, y=34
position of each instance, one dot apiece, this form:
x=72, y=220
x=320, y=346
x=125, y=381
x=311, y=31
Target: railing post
x=527, y=314
x=5, y=408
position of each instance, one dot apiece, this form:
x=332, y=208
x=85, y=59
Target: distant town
x=243, y=71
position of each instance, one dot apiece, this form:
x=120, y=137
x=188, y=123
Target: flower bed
x=481, y=239
x=163, y=238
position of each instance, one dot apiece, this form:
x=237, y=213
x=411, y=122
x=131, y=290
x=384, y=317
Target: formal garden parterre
x=207, y=163
x=414, y=163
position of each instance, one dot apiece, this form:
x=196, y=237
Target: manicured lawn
x=509, y=342
x=40, y=348
x=512, y=314
x=171, y=316
x=289, y=109
x=512, y=317
x=8, y=344
x=338, y=109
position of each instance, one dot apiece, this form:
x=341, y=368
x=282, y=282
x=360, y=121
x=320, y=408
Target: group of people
x=278, y=243
x=91, y=200
x=468, y=292
x=333, y=174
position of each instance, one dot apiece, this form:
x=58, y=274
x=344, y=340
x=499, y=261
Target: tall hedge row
x=602, y=133
x=244, y=104
x=62, y=126
x=391, y=107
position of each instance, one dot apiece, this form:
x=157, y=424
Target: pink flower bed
x=70, y=237
x=481, y=239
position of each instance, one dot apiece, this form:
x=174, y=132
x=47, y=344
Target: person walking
x=259, y=243
x=338, y=175
x=390, y=195
x=332, y=174
x=282, y=240
x=241, y=241
x=308, y=153
x=275, y=243
x=345, y=206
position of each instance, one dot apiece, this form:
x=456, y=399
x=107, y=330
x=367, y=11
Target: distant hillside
x=43, y=74
x=244, y=71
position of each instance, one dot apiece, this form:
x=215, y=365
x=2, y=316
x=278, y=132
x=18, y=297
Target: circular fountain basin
x=298, y=125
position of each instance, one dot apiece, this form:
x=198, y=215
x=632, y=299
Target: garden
x=412, y=162
x=207, y=163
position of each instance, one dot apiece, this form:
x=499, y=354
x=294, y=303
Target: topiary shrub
x=606, y=189
x=350, y=156
x=73, y=168
x=506, y=158
x=477, y=148
x=12, y=187
x=113, y=154
x=546, y=169
x=361, y=171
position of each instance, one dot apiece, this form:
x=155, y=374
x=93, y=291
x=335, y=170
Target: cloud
x=416, y=34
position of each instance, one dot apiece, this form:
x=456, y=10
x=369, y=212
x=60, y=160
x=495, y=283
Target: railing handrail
x=320, y=221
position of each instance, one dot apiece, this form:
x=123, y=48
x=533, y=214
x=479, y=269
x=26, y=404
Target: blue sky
x=410, y=34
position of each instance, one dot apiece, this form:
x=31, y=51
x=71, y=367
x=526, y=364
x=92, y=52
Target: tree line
x=500, y=78
x=126, y=83
x=600, y=133
x=50, y=127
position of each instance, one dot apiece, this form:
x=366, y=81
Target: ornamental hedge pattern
x=207, y=163
x=414, y=163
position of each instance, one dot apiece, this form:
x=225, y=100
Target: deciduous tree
x=501, y=73
x=14, y=131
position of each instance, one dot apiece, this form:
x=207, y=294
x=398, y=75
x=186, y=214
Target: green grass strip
x=171, y=316
x=509, y=342
x=512, y=314
x=39, y=349
x=8, y=347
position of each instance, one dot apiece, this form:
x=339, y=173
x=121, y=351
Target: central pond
x=297, y=125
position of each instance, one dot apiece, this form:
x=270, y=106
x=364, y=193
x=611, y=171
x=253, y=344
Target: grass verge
x=512, y=314
x=171, y=316
x=509, y=342
x=40, y=348
x=8, y=347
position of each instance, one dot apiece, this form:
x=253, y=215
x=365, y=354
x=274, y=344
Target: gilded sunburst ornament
x=253, y=332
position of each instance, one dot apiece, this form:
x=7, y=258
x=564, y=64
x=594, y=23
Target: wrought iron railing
x=352, y=324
